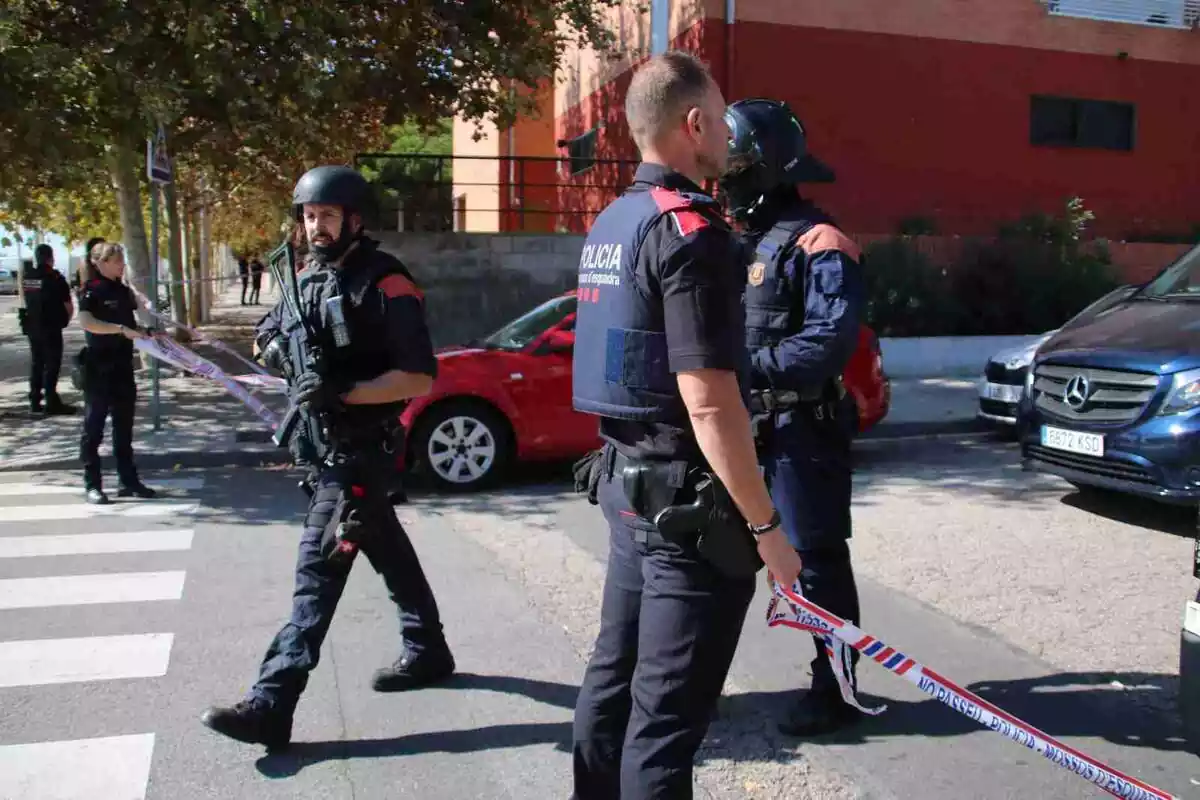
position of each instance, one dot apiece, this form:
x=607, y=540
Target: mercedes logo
x=1077, y=392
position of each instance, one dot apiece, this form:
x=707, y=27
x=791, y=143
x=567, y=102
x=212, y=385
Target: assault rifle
x=314, y=357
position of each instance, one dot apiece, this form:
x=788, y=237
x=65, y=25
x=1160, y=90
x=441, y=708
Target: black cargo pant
x=669, y=626
x=296, y=649
x=46, y=352
x=808, y=470
x=109, y=391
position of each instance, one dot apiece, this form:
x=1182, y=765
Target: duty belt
x=769, y=400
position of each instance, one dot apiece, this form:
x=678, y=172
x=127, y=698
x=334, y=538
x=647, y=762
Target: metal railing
x=472, y=193
x=1182, y=14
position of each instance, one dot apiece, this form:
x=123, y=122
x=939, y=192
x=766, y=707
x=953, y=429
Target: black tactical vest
x=364, y=357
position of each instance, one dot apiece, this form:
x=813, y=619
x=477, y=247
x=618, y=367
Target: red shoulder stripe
x=397, y=285
x=688, y=222
x=666, y=200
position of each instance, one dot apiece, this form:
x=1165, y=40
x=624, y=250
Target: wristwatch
x=770, y=525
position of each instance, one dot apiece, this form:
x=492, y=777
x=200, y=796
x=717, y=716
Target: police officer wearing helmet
x=804, y=302
x=358, y=351
x=46, y=311
x=659, y=357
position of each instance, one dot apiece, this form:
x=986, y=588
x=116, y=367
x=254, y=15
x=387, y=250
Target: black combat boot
x=430, y=666
x=817, y=714
x=251, y=721
x=56, y=407
x=137, y=489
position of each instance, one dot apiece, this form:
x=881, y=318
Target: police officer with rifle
x=659, y=357
x=804, y=302
x=349, y=335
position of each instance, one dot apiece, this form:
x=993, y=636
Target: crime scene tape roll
x=789, y=608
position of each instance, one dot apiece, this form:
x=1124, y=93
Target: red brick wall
x=940, y=128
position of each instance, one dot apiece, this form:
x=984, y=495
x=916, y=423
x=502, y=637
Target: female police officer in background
x=106, y=313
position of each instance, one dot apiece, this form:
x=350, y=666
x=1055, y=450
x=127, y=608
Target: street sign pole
x=155, y=415
x=158, y=169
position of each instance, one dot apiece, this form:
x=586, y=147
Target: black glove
x=587, y=472
x=312, y=391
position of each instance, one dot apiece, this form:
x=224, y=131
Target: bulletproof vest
x=774, y=304
x=38, y=314
x=363, y=354
x=620, y=360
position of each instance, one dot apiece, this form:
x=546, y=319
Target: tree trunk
x=122, y=167
x=193, y=266
x=123, y=170
x=206, y=270
x=175, y=258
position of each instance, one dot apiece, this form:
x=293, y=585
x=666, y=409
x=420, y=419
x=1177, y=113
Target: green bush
x=1034, y=276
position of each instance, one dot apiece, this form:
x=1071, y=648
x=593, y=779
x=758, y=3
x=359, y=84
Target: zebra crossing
x=59, y=556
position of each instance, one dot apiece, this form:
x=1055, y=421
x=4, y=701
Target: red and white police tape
x=789, y=608
x=166, y=349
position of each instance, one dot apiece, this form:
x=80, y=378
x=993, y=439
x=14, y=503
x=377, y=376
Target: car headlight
x=1184, y=394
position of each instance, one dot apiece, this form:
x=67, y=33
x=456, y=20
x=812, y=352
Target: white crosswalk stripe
x=108, y=768
x=81, y=510
x=79, y=544
x=43, y=517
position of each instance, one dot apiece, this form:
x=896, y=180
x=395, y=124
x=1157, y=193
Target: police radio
x=336, y=315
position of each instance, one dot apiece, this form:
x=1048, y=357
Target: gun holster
x=650, y=486
x=723, y=538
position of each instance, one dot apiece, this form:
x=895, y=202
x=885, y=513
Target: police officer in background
x=106, y=313
x=659, y=356
x=48, y=309
x=804, y=303
x=368, y=319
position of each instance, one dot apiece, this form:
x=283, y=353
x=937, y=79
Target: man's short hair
x=43, y=254
x=661, y=92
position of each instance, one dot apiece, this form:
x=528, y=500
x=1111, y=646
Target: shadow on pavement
x=303, y=754
x=1133, y=510
x=1130, y=709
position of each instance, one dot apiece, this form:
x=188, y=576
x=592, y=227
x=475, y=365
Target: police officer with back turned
x=48, y=309
x=659, y=356
x=354, y=348
x=804, y=302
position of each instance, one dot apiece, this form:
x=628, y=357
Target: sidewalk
x=203, y=426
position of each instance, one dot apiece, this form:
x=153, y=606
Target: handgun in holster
x=724, y=540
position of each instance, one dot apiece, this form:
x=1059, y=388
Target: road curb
x=888, y=431
x=171, y=459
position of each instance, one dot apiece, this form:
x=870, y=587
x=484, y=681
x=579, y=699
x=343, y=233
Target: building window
x=1161, y=13
x=660, y=20
x=581, y=152
x=1064, y=122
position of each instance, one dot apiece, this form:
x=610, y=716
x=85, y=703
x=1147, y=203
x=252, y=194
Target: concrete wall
x=474, y=283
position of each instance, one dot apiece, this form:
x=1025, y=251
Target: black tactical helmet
x=767, y=150
x=334, y=186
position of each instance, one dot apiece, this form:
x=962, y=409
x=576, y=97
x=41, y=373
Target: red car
x=508, y=397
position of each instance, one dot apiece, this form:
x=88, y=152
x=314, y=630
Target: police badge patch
x=758, y=271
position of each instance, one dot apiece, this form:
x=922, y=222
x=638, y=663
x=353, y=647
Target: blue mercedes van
x=1112, y=400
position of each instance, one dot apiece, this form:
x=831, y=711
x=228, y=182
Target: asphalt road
x=118, y=628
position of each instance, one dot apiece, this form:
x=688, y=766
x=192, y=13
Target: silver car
x=1003, y=382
